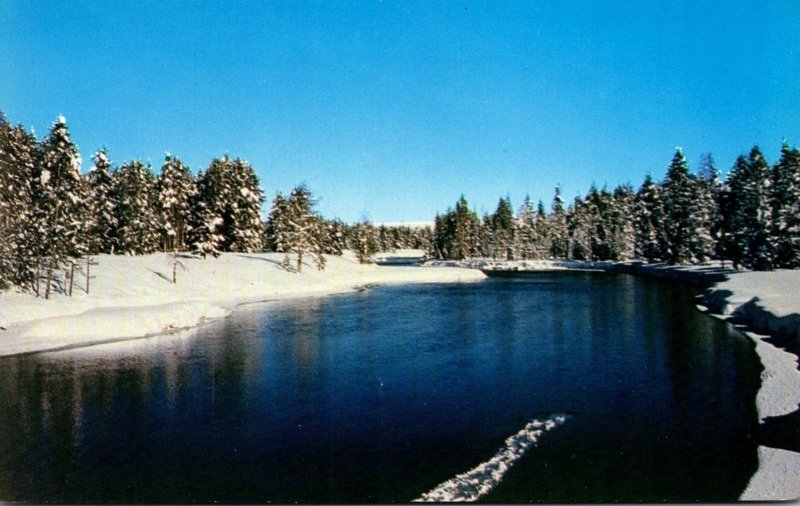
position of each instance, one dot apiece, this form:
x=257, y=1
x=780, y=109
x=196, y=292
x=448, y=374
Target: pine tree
x=501, y=231
x=648, y=222
x=231, y=198
x=277, y=226
x=785, y=200
x=686, y=229
x=487, y=247
x=525, y=231
x=204, y=231
x=726, y=246
x=603, y=239
x=622, y=238
x=543, y=242
x=104, y=227
x=305, y=230
x=137, y=209
x=335, y=242
x=602, y=225
x=759, y=249
x=176, y=189
x=466, y=228
x=581, y=222
x=366, y=241
x=384, y=239
x=7, y=188
x=19, y=244
x=440, y=239
x=750, y=214
x=558, y=231
x=710, y=195
x=249, y=229
x=733, y=207
x=457, y=233
x=61, y=202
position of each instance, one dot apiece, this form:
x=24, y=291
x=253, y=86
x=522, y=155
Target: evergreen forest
x=53, y=217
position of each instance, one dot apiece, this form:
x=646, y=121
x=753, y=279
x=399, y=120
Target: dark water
x=382, y=395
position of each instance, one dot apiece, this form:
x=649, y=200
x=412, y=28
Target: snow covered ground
x=132, y=297
x=517, y=265
x=769, y=303
x=776, y=478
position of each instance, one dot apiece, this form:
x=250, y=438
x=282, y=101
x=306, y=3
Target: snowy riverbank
x=132, y=297
x=768, y=304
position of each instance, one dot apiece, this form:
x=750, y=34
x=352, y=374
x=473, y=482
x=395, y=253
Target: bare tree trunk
x=53, y=256
x=50, y=268
x=299, y=261
x=174, y=267
x=38, y=275
x=88, y=270
x=71, y=276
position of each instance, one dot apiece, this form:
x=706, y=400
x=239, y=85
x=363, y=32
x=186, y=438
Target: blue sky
x=392, y=109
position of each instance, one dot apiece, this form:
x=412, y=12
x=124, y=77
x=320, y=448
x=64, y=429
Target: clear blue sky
x=395, y=108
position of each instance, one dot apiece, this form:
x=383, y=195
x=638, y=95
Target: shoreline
x=765, y=304
x=133, y=298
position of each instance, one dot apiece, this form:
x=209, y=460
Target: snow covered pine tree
x=61, y=203
x=175, y=187
x=19, y=159
x=686, y=224
x=103, y=230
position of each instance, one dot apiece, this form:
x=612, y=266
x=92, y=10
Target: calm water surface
x=382, y=395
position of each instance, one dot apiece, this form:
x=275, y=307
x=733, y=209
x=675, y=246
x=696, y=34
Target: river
x=380, y=396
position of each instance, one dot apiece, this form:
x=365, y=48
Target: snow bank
x=519, y=265
x=134, y=296
x=106, y=324
x=767, y=302
x=780, y=381
x=702, y=275
x=776, y=478
x=400, y=253
x=480, y=480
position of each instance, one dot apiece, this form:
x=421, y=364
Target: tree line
x=53, y=218
x=751, y=218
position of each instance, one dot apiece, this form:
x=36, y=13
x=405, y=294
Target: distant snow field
x=409, y=224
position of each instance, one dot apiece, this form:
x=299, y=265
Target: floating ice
x=480, y=480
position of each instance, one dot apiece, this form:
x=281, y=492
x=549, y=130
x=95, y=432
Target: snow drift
x=481, y=479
